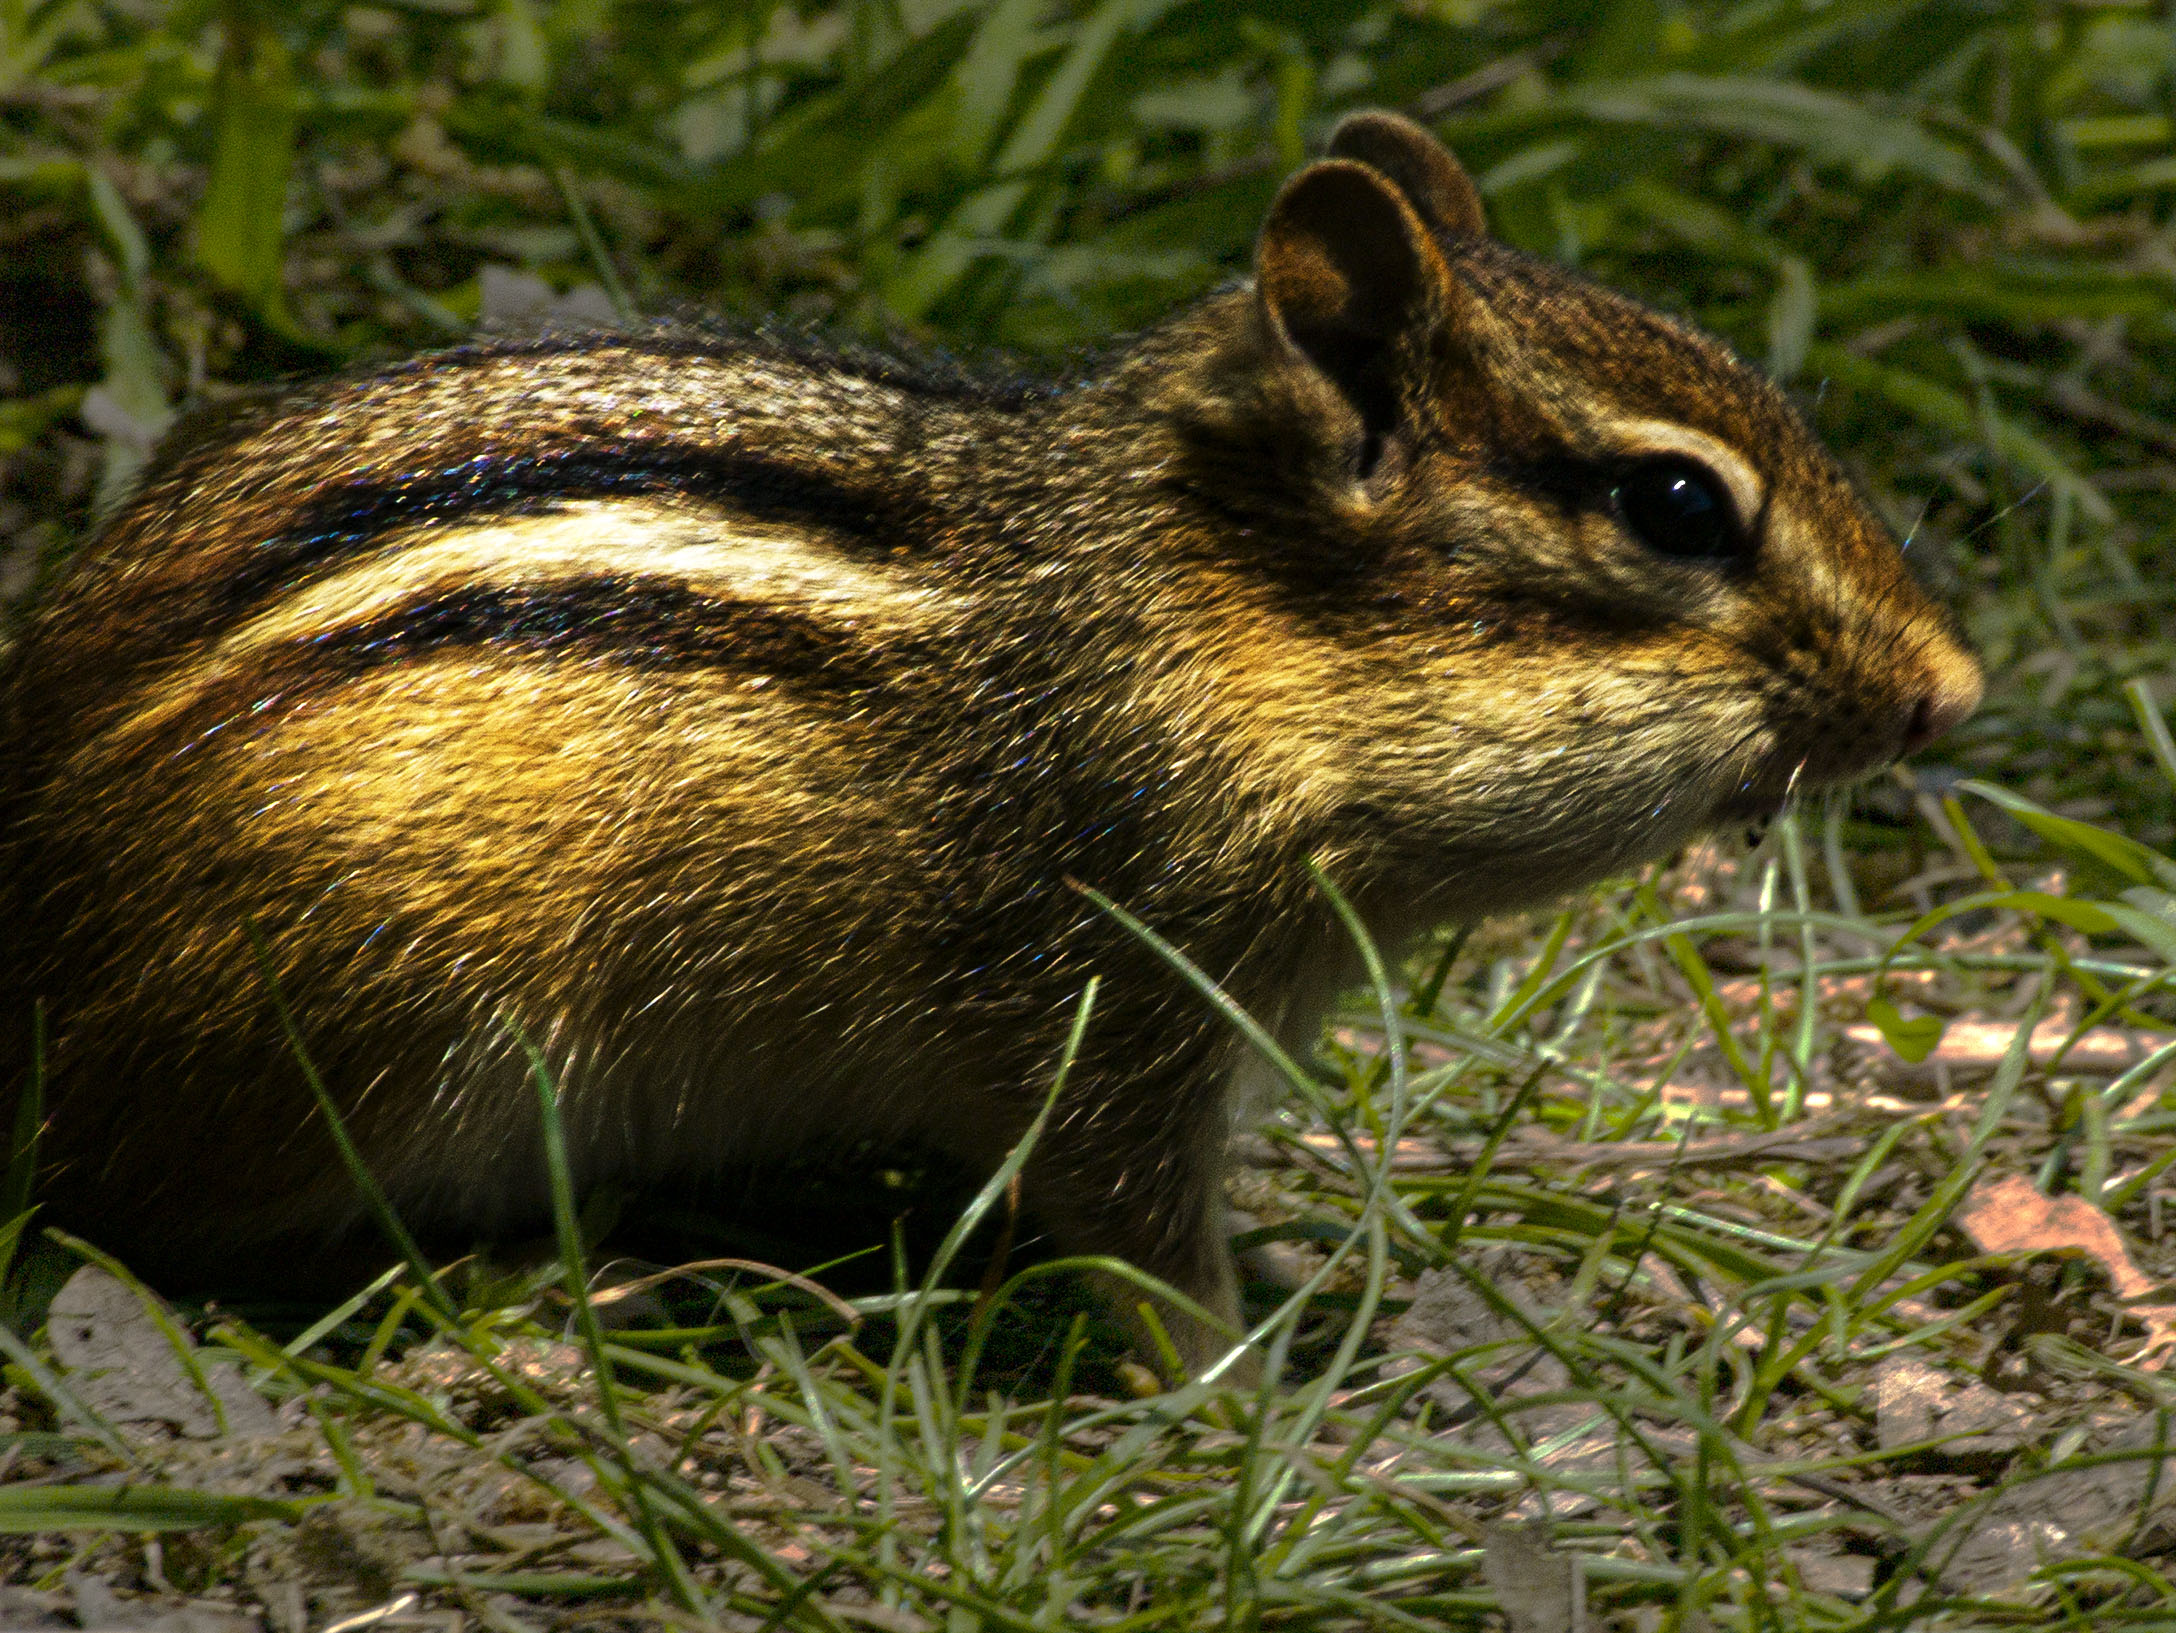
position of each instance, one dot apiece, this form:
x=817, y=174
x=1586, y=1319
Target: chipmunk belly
x=731, y=1085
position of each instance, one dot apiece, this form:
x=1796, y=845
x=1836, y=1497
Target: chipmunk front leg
x=1154, y=1198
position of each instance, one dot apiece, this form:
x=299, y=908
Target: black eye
x=1679, y=509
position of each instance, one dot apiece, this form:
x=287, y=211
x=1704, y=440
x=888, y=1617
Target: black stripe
x=635, y=621
x=335, y=527
x=981, y=382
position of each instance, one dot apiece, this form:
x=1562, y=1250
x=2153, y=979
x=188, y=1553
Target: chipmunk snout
x=1952, y=692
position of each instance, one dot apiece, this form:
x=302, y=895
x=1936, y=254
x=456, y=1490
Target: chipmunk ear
x=1432, y=180
x=1349, y=277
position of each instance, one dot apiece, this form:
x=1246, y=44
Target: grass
x=1661, y=1338
x=1641, y=1242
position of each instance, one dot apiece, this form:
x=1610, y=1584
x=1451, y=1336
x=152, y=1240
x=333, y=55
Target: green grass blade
x=566, y=1223
x=374, y=1198
x=240, y=228
x=28, y=1509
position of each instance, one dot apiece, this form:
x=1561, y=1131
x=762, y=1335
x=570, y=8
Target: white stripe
x=678, y=545
x=664, y=544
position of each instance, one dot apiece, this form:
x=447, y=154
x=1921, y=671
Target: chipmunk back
x=730, y=720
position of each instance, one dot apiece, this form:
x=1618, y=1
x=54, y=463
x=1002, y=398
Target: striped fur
x=729, y=719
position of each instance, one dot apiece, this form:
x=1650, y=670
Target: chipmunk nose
x=1952, y=692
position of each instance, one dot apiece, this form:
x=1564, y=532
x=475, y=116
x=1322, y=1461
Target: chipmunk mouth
x=1810, y=755
x=1762, y=797
x=1753, y=810
x=1769, y=793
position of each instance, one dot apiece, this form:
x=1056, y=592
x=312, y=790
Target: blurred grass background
x=1946, y=225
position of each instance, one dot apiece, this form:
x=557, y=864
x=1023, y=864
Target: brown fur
x=729, y=717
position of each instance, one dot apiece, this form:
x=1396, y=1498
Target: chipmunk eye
x=1679, y=509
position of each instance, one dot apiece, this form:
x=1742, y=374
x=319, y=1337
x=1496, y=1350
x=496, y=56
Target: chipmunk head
x=1589, y=583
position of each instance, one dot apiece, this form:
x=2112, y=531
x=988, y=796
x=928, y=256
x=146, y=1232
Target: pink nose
x=1953, y=692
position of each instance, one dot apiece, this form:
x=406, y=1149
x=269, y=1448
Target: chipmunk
x=731, y=719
